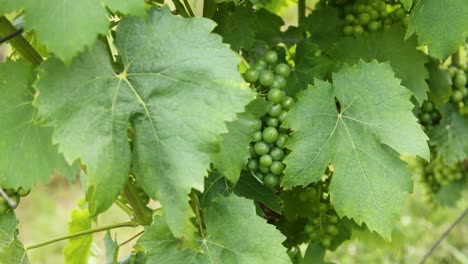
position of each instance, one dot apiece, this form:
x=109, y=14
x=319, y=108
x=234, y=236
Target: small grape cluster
x=428, y=115
x=323, y=223
x=269, y=139
x=437, y=174
x=14, y=196
x=459, y=89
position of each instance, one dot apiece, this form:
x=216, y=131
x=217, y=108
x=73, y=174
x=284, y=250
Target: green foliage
x=112, y=249
x=78, y=248
x=11, y=249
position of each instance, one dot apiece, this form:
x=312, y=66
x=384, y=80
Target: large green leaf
x=325, y=27
x=370, y=182
x=66, y=27
x=440, y=84
x=440, y=24
x=27, y=155
x=235, y=145
x=78, y=248
x=179, y=86
x=11, y=249
x=237, y=27
x=450, y=137
x=234, y=234
x=389, y=45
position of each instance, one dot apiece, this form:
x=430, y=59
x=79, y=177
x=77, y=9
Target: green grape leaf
x=11, y=249
x=7, y=6
x=234, y=234
x=450, y=137
x=267, y=27
x=235, y=145
x=308, y=66
x=450, y=194
x=237, y=27
x=27, y=155
x=325, y=27
x=429, y=23
x=370, y=182
x=407, y=4
x=314, y=254
x=388, y=45
x=177, y=90
x=76, y=29
x=440, y=84
x=250, y=187
x=78, y=248
x=112, y=249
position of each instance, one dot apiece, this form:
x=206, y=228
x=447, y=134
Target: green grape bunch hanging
x=269, y=139
x=10, y=198
x=459, y=97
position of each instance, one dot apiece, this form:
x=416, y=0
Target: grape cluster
x=323, y=223
x=459, y=89
x=437, y=174
x=428, y=115
x=269, y=139
x=14, y=196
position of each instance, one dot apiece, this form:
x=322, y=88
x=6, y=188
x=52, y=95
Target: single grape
x=261, y=65
x=332, y=230
x=275, y=96
x=251, y=75
x=266, y=78
x=281, y=141
x=427, y=106
x=272, y=122
x=459, y=81
x=252, y=165
x=261, y=148
x=270, y=134
x=457, y=96
x=374, y=14
x=271, y=180
x=270, y=57
x=282, y=115
x=350, y=18
x=333, y=219
x=399, y=13
x=276, y=84
x=326, y=242
x=275, y=110
x=309, y=229
x=374, y=26
x=256, y=124
x=348, y=30
x=281, y=80
x=358, y=30
x=287, y=103
x=364, y=19
x=277, y=167
x=282, y=69
x=276, y=153
x=265, y=160
x=257, y=136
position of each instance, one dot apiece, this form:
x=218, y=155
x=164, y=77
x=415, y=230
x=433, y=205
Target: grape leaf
x=112, y=249
x=80, y=21
x=389, y=45
x=250, y=187
x=27, y=155
x=369, y=183
x=177, y=90
x=235, y=145
x=7, y=6
x=450, y=137
x=234, y=234
x=78, y=248
x=314, y=254
x=325, y=27
x=11, y=249
x=429, y=23
x=267, y=27
x=237, y=27
x=440, y=84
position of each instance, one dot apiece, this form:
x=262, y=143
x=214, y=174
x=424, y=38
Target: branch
x=458, y=220
x=133, y=237
x=12, y=35
x=82, y=233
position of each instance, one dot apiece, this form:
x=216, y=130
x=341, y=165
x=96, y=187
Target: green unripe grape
x=282, y=115
x=287, y=103
x=265, y=160
x=261, y=148
x=257, y=136
x=333, y=219
x=252, y=165
x=276, y=84
x=374, y=26
x=459, y=81
x=22, y=192
x=399, y=13
x=281, y=141
x=281, y=80
x=276, y=153
x=271, y=180
x=275, y=96
x=261, y=65
x=368, y=8
x=264, y=169
x=251, y=75
x=457, y=96
x=309, y=229
x=332, y=230
x=4, y=207
x=314, y=236
x=364, y=19
x=427, y=107
x=323, y=207
x=388, y=21
x=406, y=20
x=382, y=6
x=348, y=30
x=326, y=242
x=374, y=15
x=426, y=118
x=282, y=69
x=360, y=8
x=270, y=57
x=464, y=91
x=358, y=30
x=272, y=122
x=256, y=124
x=275, y=110
x=266, y=78
x=270, y=134
x=383, y=14
x=277, y=167
x=350, y=18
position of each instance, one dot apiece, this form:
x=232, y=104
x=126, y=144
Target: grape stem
x=301, y=6
x=82, y=233
x=133, y=237
x=446, y=232
x=124, y=207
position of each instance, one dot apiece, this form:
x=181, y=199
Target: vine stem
x=19, y=42
x=142, y=213
x=124, y=207
x=446, y=232
x=133, y=237
x=194, y=198
x=301, y=6
x=180, y=8
x=209, y=8
x=189, y=9
x=82, y=233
